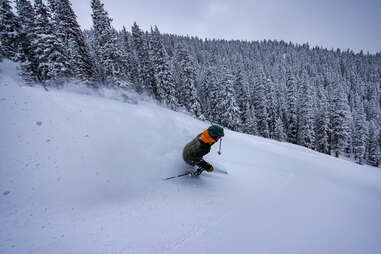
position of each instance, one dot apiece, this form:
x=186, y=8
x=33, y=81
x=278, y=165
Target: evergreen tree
x=260, y=106
x=241, y=95
x=340, y=120
x=360, y=132
x=48, y=48
x=204, y=89
x=306, y=134
x=141, y=49
x=292, y=122
x=166, y=90
x=373, y=103
x=69, y=32
x=110, y=56
x=209, y=91
x=322, y=124
x=8, y=31
x=148, y=70
x=250, y=125
x=131, y=60
x=186, y=81
x=138, y=50
x=374, y=153
x=279, y=130
x=27, y=56
x=272, y=109
x=229, y=113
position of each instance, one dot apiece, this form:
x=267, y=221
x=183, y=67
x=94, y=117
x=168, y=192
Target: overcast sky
x=354, y=24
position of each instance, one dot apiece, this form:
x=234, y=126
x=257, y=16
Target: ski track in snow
x=82, y=174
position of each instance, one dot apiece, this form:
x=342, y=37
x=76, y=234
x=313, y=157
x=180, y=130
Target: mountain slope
x=82, y=174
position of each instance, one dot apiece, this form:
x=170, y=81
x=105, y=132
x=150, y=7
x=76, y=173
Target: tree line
x=326, y=100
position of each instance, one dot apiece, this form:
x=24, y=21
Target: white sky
x=332, y=24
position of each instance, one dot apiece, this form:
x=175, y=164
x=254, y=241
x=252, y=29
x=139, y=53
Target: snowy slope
x=82, y=174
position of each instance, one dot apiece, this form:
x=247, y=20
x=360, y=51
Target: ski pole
x=219, y=151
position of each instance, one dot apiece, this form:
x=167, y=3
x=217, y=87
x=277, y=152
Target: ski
x=188, y=173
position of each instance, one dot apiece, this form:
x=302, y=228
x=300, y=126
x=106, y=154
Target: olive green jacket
x=195, y=150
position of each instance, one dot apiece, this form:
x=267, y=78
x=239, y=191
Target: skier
x=200, y=146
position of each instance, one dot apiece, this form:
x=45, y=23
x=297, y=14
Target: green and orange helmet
x=212, y=134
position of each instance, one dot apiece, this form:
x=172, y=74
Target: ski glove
x=210, y=169
x=205, y=166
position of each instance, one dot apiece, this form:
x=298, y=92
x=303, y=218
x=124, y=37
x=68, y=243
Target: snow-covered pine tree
x=279, y=133
x=187, y=93
x=272, y=108
x=8, y=31
x=322, y=124
x=373, y=146
x=48, y=48
x=281, y=102
x=148, y=69
x=27, y=55
x=141, y=48
x=209, y=93
x=340, y=120
x=228, y=110
x=240, y=85
x=360, y=131
x=68, y=30
x=110, y=57
x=166, y=90
x=292, y=118
x=138, y=50
x=372, y=104
x=260, y=105
x=203, y=90
x=306, y=133
x=250, y=126
x=131, y=60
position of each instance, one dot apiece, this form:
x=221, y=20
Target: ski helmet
x=216, y=131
